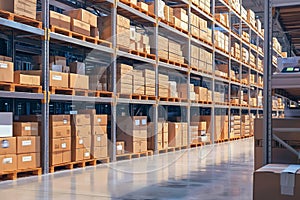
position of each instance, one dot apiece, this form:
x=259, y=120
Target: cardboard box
x=80, y=27
x=83, y=15
x=175, y=134
x=60, y=120
x=24, y=79
x=78, y=154
x=99, y=130
x=8, y=163
x=81, y=142
x=99, y=152
x=28, y=161
x=60, y=144
x=28, y=144
x=82, y=131
x=99, y=120
x=77, y=81
x=95, y=32
x=143, y=6
x=57, y=19
x=81, y=119
x=26, y=129
x=99, y=140
x=271, y=183
x=60, y=131
x=8, y=146
x=77, y=68
x=6, y=71
x=120, y=147
x=20, y=7
x=60, y=157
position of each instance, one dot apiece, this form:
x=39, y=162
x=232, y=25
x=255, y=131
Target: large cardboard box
x=20, y=7
x=83, y=15
x=60, y=157
x=77, y=81
x=6, y=71
x=57, y=79
x=81, y=142
x=60, y=131
x=80, y=27
x=82, y=131
x=28, y=144
x=8, y=163
x=99, y=152
x=99, y=120
x=25, y=79
x=60, y=120
x=271, y=183
x=81, y=119
x=99, y=140
x=78, y=154
x=57, y=19
x=28, y=161
x=60, y=144
x=175, y=134
x=26, y=129
x=8, y=146
x=99, y=130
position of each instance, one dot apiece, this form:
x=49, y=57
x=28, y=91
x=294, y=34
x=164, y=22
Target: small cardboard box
x=8, y=163
x=28, y=144
x=26, y=129
x=25, y=79
x=80, y=27
x=83, y=15
x=8, y=146
x=6, y=71
x=82, y=131
x=99, y=120
x=60, y=131
x=60, y=120
x=81, y=119
x=28, y=161
x=81, y=142
x=77, y=81
x=99, y=140
x=120, y=146
x=60, y=144
x=99, y=130
x=60, y=157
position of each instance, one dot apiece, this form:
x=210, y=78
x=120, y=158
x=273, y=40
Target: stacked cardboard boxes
x=149, y=76
x=20, y=7
x=251, y=17
x=221, y=127
x=246, y=36
x=235, y=131
x=175, y=52
x=260, y=64
x=221, y=41
x=99, y=136
x=245, y=125
x=163, y=85
x=162, y=136
x=123, y=30
x=60, y=139
x=99, y=78
x=222, y=70
x=194, y=137
x=124, y=79
x=28, y=145
x=57, y=19
x=245, y=55
x=180, y=18
x=198, y=132
x=177, y=134
x=236, y=5
x=204, y=122
x=81, y=137
x=183, y=92
x=163, y=46
x=162, y=11
x=202, y=93
x=139, y=42
x=138, y=82
x=252, y=59
x=173, y=89
x=8, y=148
x=276, y=45
x=222, y=18
x=133, y=131
x=244, y=13
x=203, y=4
x=201, y=59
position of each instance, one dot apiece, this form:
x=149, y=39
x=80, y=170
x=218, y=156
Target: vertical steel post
x=113, y=147
x=267, y=119
x=188, y=113
x=45, y=84
x=212, y=124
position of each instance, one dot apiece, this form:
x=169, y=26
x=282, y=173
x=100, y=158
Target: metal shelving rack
x=114, y=53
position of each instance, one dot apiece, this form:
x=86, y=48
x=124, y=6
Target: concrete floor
x=221, y=171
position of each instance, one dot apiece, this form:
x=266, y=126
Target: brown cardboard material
x=60, y=120
x=6, y=71
x=99, y=120
x=60, y=144
x=81, y=142
x=80, y=27
x=28, y=161
x=83, y=15
x=120, y=146
x=81, y=119
x=57, y=19
x=86, y=153
x=8, y=163
x=8, y=146
x=175, y=134
x=66, y=156
x=99, y=130
x=99, y=152
x=77, y=68
x=26, y=129
x=60, y=131
x=28, y=144
x=82, y=131
x=60, y=157
x=77, y=154
x=99, y=140
x=20, y=7
x=25, y=79
x=77, y=81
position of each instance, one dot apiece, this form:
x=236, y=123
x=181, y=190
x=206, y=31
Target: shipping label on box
x=28, y=144
x=8, y=145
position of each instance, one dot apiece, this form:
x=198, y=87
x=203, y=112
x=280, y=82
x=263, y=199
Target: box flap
x=287, y=179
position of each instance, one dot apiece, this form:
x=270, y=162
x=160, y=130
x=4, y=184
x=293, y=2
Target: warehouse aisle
x=222, y=171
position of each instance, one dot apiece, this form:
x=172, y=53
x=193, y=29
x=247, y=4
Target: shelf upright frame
x=45, y=84
x=267, y=92
x=212, y=137
x=188, y=114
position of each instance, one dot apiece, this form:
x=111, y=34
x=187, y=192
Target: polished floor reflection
x=221, y=171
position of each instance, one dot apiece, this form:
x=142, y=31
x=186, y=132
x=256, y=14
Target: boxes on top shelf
x=83, y=15
x=20, y=7
x=57, y=19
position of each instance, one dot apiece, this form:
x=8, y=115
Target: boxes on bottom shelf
x=99, y=152
x=28, y=144
x=81, y=154
x=60, y=144
x=28, y=161
x=60, y=157
x=120, y=146
x=8, y=145
x=8, y=163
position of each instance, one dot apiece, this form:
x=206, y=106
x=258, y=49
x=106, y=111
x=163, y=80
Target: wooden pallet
x=194, y=68
x=194, y=145
x=13, y=175
x=180, y=148
x=128, y=3
x=21, y=19
x=127, y=156
x=102, y=160
x=181, y=30
x=59, y=90
x=79, y=36
x=205, y=102
x=12, y=87
x=146, y=153
x=143, y=54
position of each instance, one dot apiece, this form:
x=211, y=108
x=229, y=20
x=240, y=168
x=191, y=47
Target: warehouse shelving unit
x=111, y=55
